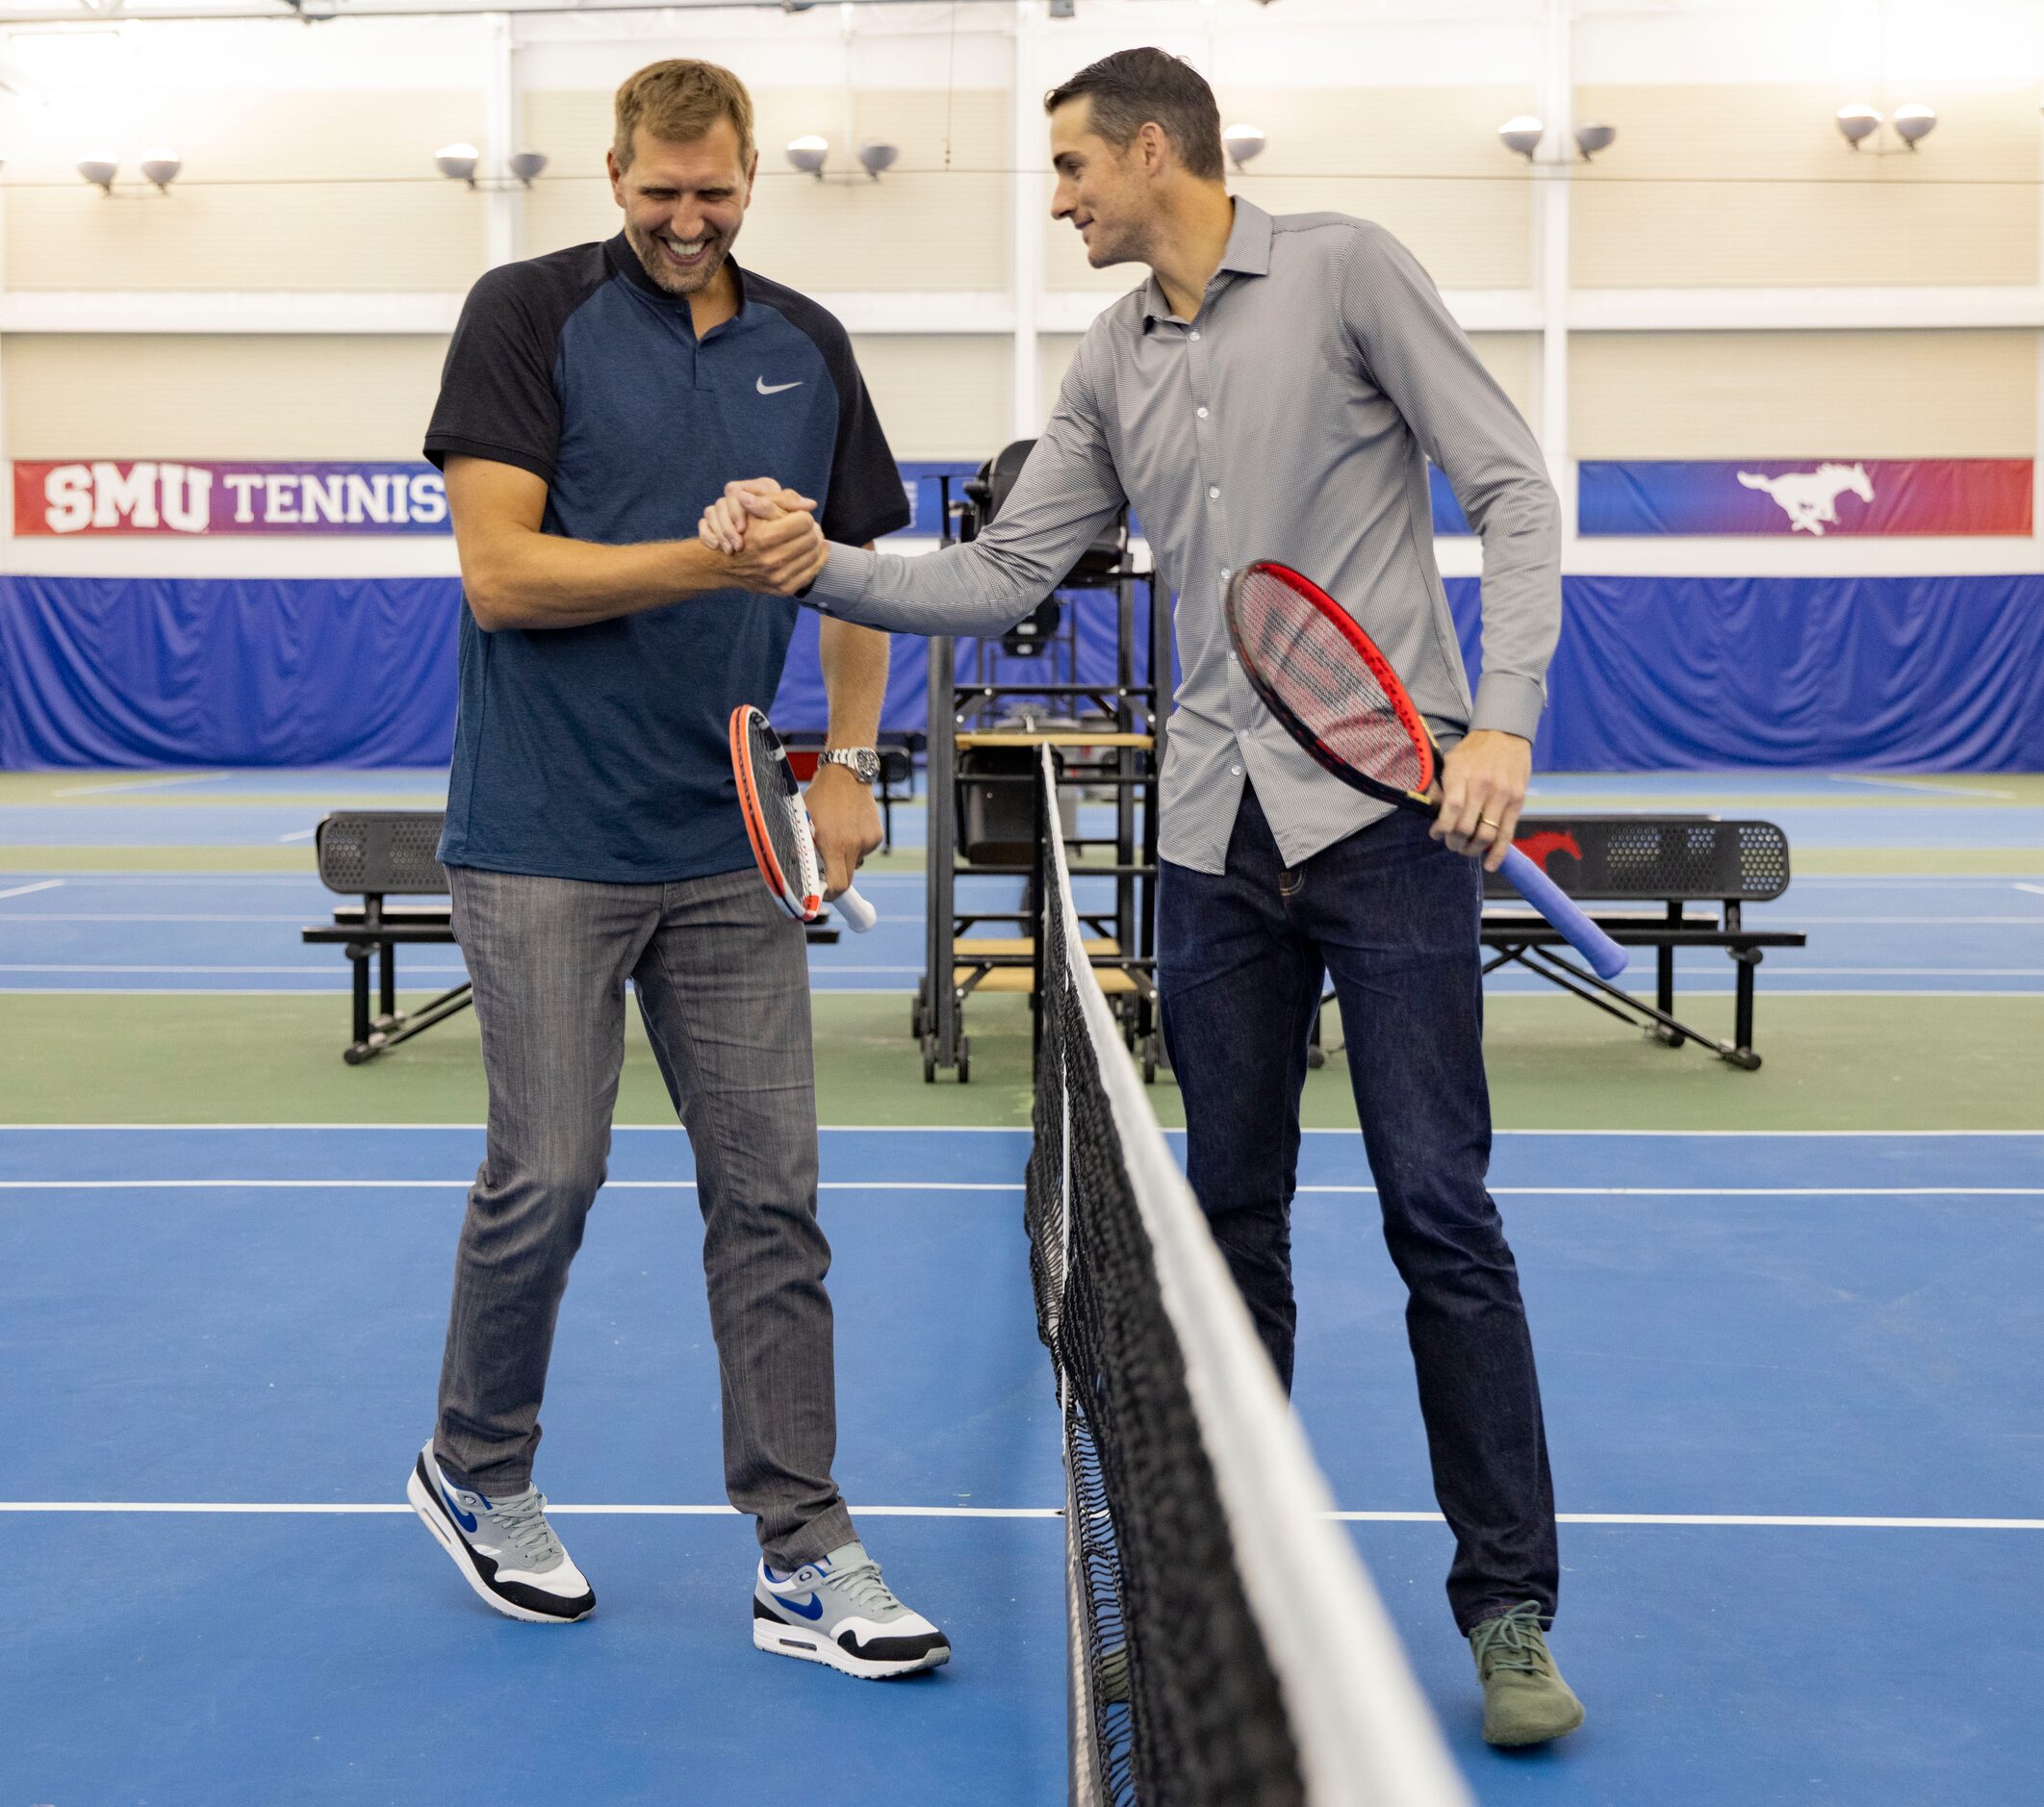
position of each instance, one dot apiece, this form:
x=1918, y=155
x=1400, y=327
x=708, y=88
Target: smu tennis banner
x=1814, y=496
x=184, y=497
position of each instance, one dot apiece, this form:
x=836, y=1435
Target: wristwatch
x=864, y=762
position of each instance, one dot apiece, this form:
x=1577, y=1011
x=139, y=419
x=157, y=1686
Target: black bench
x=1699, y=871
x=377, y=854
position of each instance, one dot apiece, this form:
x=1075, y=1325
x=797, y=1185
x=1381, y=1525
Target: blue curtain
x=1926, y=674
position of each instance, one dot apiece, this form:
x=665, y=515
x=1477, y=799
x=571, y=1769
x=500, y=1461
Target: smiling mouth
x=685, y=254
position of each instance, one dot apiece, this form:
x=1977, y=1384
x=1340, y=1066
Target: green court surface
x=1836, y=1062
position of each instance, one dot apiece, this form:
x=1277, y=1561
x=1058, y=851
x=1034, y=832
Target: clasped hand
x=769, y=535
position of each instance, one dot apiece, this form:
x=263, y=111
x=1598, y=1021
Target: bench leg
x=358, y=956
x=1741, y=1052
x=386, y=977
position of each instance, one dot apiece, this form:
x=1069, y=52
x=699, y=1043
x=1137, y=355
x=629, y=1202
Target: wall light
x=162, y=166
x=1522, y=134
x=100, y=173
x=1243, y=143
x=1859, y=123
x=526, y=165
x=457, y=162
x=807, y=154
x=1592, y=138
x=874, y=156
x=1915, y=122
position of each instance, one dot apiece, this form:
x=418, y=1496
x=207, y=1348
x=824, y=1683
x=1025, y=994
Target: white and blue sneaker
x=837, y=1610
x=505, y=1547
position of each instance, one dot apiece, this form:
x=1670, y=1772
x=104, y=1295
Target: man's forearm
x=855, y=674
x=537, y=580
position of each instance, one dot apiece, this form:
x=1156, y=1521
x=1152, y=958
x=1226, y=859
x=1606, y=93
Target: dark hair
x=1133, y=88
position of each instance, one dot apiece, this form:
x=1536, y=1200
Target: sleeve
x=1417, y=354
x=866, y=499
x=496, y=393
x=1068, y=491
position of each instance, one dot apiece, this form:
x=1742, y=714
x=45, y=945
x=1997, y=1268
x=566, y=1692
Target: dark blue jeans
x=1392, y=916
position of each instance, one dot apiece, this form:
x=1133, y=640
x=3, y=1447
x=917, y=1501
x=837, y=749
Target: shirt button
x=1213, y=494
x=1235, y=772
x=1193, y=335
x=1202, y=413
x=1226, y=574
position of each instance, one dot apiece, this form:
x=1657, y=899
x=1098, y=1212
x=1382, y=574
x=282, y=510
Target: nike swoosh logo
x=766, y=388
x=814, y=1608
x=466, y=1521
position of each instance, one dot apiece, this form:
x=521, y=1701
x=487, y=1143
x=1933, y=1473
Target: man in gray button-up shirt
x=1275, y=390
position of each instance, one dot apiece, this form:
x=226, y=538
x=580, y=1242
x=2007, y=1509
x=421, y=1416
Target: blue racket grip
x=1607, y=959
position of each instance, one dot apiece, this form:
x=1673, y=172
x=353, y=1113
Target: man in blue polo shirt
x=594, y=402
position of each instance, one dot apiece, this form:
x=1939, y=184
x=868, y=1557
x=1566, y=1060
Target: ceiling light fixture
x=808, y=154
x=1522, y=134
x=100, y=173
x=874, y=156
x=526, y=165
x=162, y=166
x=1859, y=123
x=1592, y=138
x=1243, y=143
x=457, y=162
x=1913, y=123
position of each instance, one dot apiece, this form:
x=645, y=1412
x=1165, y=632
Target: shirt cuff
x=1509, y=703
x=841, y=586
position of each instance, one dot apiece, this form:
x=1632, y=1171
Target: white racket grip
x=859, y=915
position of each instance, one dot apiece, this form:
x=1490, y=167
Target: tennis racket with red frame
x=776, y=821
x=1336, y=694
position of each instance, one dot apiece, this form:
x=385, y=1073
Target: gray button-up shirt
x=1292, y=419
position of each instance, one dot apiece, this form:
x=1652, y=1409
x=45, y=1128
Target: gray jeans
x=724, y=988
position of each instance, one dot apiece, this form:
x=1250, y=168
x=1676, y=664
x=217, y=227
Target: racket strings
x=781, y=812
x=1305, y=659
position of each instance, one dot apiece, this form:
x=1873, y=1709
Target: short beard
x=676, y=282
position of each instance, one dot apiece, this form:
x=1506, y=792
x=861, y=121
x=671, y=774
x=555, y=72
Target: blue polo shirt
x=601, y=752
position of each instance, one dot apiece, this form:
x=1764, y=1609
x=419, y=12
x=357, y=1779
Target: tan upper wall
x=1724, y=186
x=910, y=231
x=1366, y=151
x=1970, y=394
x=322, y=190
x=201, y=395
x=941, y=397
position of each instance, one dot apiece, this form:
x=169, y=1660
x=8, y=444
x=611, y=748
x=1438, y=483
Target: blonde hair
x=679, y=100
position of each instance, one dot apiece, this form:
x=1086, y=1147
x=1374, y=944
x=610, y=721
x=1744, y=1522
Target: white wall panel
x=939, y=397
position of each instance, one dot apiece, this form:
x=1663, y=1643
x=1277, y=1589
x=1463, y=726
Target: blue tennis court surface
x=1830, y=1332
x=186, y=932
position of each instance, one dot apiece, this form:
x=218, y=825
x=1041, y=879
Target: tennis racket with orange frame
x=1337, y=695
x=776, y=821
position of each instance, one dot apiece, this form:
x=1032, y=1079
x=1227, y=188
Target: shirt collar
x=626, y=261
x=1247, y=253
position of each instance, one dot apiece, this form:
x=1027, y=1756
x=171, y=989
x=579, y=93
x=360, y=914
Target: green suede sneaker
x=1524, y=1699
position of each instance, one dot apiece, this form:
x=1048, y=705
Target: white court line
x=116, y=916
x=140, y=784
x=1917, y=784
x=949, y=1129
x=2036, y=919
x=395, y=1508
x=23, y=890
x=296, y=834
x=2037, y=889
x=320, y=970
x=412, y=1186
x=348, y=1184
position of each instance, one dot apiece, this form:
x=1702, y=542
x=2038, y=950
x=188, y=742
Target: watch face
x=864, y=762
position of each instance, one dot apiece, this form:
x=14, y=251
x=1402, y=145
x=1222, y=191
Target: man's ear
x=1155, y=147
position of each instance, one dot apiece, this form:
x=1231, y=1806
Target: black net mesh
x=1305, y=666
x=1184, y=1706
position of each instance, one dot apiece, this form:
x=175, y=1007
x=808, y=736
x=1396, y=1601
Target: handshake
x=768, y=534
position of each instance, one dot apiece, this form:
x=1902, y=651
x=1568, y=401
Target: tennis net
x=1225, y=1645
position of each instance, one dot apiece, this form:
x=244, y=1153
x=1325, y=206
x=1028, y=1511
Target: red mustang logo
x=1549, y=841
